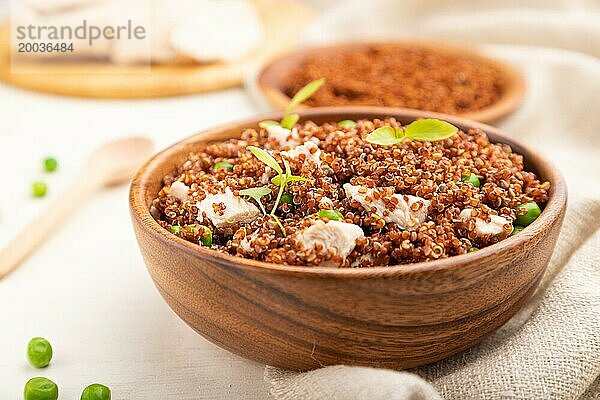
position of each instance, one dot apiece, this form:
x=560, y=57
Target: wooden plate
x=283, y=23
x=274, y=77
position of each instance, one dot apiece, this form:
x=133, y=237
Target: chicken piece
x=403, y=215
x=206, y=36
x=180, y=191
x=237, y=210
x=338, y=235
x=309, y=149
x=284, y=136
x=487, y=230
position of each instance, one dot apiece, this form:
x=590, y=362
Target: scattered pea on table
x=39, y=352
x=472, y=249
x=50, y=164
x=96, y=391
x=39, y=189
x=527, y=213
x=40, y=389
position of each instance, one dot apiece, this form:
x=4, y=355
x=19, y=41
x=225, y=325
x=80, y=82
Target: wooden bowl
x=275, y=76
x=306, y=317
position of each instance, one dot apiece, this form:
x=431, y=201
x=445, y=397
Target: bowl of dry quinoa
x=439, y=77
x=357, y=235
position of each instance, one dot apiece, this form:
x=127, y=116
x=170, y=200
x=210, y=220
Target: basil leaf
x=429, y=130
x=266, y=158
x=304, y=93
x=267, y=123
x=333, y=215
x=289, y=121
x=384, y=136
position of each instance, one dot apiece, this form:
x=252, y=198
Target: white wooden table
x=87, y=289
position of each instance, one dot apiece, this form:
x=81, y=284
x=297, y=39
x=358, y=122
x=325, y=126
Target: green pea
x=39, y=352
x=472, y=249
x=347, y=123
x=287, y=198
x=471, y=178
x=527, y=213
x=517, y=229
x=96, y=391
x=223, y=164
x=50, y=164
x=39, y=189
x=207, y=238
x=333, y=215
x=40, y=389
x=175, y=229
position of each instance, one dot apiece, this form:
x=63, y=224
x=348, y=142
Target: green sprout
x=290, y=119
x=426, y=130
x=281, y=180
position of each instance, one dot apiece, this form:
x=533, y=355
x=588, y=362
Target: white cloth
x=551, y=348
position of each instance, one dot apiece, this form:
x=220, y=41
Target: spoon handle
x=45, y=224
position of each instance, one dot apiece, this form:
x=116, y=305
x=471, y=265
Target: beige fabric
x=551, y=348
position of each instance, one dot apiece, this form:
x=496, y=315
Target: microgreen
x=384, y=136
x=304, y=94
x=287, y=178
x=266, y=158
x=257, y=194
x=426, y=130
x=333, y=215
x=429, y=130
x=290, y=120
x=281, y=180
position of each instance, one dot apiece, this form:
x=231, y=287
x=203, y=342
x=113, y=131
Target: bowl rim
x=512, y=95
x=553, y=210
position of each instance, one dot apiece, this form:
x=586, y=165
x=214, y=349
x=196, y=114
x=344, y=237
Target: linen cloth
x=551, y=348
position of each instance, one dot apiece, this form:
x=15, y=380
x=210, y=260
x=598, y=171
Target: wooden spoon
x=112, y=164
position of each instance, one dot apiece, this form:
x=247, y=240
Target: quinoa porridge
x=335, y=198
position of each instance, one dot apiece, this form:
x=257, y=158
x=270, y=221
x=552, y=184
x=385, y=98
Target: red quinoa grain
x=429, y=170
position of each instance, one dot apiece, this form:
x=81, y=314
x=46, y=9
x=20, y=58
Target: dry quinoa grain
x=399, y=76
x=431, y=171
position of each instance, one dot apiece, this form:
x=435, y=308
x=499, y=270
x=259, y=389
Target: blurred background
x=86, y=287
